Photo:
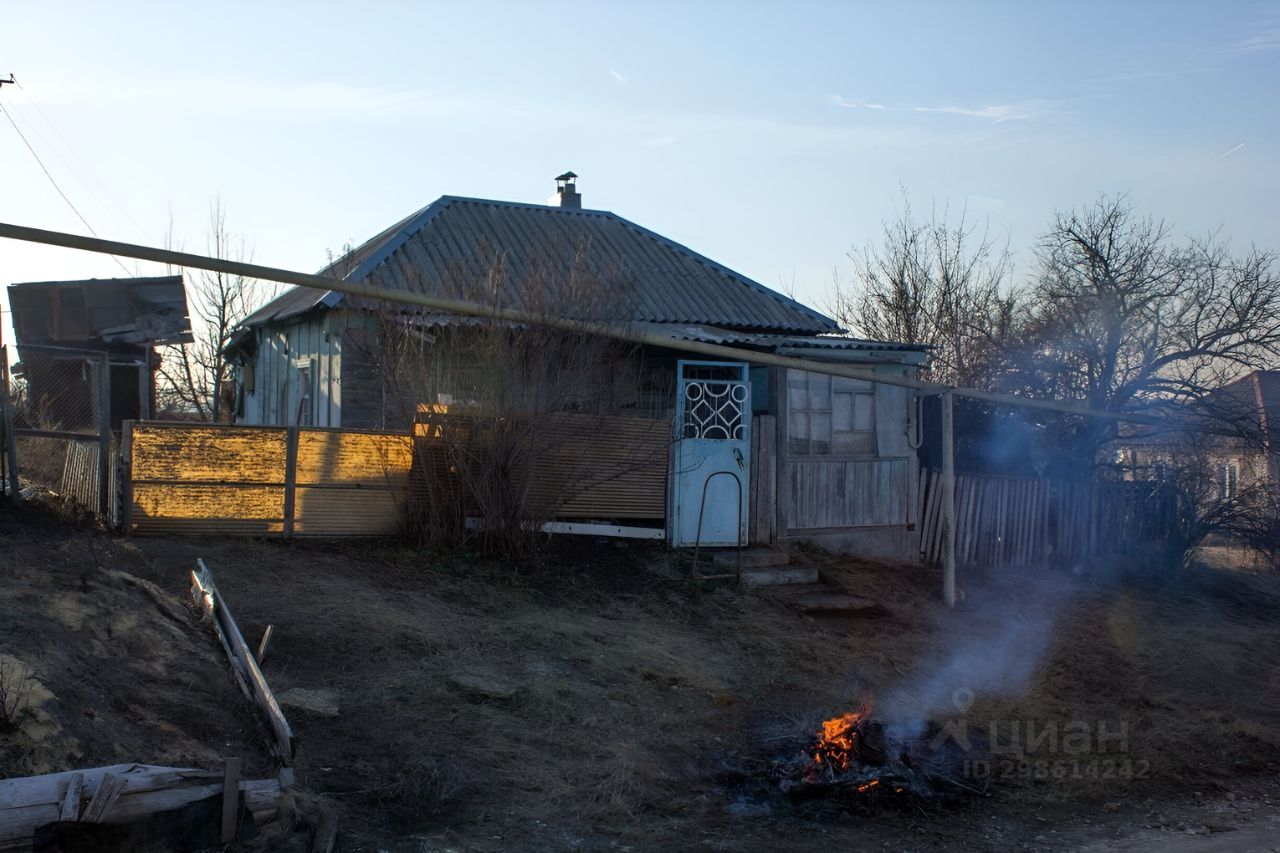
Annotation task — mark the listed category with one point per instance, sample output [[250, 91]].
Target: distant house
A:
[[841, 461], [1236, 428], [67, 329]]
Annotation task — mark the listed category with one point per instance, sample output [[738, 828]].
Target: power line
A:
[[89, 171], [47, 174]]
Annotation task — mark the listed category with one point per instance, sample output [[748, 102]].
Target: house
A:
[[835, 458], [1231, 439], [67, 330]]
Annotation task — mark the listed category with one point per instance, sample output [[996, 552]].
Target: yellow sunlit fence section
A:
[[203, 479]]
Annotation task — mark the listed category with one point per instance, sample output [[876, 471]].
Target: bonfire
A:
[[857, 755]]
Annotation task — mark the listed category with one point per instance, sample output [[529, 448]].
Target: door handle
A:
[[737, 454]]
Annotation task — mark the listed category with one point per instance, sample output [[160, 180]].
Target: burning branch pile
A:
[[855, 755]]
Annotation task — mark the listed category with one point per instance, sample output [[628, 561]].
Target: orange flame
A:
[[835, 742]]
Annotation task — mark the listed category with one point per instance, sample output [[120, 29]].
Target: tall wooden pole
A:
[[948, 501]]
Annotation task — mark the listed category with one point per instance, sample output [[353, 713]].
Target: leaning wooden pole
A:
[[620, 331], [948, 501]]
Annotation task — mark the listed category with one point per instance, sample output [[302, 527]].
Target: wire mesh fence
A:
[[57, 417]]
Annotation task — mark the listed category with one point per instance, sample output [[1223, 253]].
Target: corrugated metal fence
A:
[[266, 481], [194, 479]]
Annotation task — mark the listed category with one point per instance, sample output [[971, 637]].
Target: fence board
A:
[[762, 503]]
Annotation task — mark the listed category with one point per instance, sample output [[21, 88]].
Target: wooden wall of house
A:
[[296, 375], [861, 482]]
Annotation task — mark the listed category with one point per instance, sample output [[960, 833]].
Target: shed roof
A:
[[110, 311], [457, 242]]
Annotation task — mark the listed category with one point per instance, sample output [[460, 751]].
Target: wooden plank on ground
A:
[[230, 799], [243, 660], [71, 800], [34, 801], [109, 789]]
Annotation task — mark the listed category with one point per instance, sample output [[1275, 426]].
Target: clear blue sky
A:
[[771, 137]]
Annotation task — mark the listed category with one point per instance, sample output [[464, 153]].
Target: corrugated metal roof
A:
[[150, 310], [471, 248], [711, 335]]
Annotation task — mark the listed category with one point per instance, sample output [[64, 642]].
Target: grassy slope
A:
[[633, 692]]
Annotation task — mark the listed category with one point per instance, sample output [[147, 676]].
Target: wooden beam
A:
[[620, 331], [242, 660], [33, 801]]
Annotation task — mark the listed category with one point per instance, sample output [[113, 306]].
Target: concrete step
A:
[[779, 576], [752, 558]]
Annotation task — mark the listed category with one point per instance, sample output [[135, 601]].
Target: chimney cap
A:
[[567, 176]]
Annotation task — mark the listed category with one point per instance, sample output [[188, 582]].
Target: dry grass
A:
[[617, 698]]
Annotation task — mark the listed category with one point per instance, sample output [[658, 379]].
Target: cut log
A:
[[249, 675], [34, 801]]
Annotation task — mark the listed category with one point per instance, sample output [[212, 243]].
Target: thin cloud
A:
[[658, 141], [992, 112], [1228, 152], [1264, 36], [619, 76]]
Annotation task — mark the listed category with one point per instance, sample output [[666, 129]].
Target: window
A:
[[830, 415], [1228, 476]]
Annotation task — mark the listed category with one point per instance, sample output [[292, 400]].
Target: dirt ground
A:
[[591, 702]]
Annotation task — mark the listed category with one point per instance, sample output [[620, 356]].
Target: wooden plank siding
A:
[[822, 493], [827, 494], [281, 349]]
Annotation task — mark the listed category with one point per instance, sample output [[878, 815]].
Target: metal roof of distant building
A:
[[711, 335], [456, 242]]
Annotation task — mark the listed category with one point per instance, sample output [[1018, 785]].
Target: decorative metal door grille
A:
[[715, 410]]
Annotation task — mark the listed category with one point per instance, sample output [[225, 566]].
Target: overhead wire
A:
[[54, 183], [74, 153]]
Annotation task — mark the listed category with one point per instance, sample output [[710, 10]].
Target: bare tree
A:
[[1122, 317], [502, 410], [194, 377], [933, 282]]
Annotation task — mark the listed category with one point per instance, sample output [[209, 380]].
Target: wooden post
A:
[[104, 440], [290, 477], [144, 386], [126, 488], [6, 410], [948, 502], [230, 799]]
